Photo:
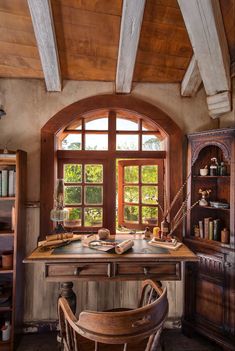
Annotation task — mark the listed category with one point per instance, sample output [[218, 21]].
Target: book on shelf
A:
[[217, 229], [211, 229], [201, 231], [206, 227], [7, 182]]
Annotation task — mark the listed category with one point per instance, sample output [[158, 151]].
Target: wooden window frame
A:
[[140, 204], [52, 132]]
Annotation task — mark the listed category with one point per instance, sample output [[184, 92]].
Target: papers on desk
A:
[[106, 245], [171, 245]]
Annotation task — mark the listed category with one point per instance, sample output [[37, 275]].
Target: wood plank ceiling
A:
[[87, 34]]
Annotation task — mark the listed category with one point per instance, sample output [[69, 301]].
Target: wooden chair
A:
[[120, 326]]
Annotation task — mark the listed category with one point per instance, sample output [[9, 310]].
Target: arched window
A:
[[115, 162]]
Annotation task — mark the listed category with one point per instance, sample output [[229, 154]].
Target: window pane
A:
[[131, 174], [72, 195], [150, 143], [131, 214], [125, 124], [149, 194], [97, 124], [72, 142], [150, 215], [149, 174], [131, 194], [94, 173], [127, 142], [75, 218], [93, 195], [72, 173], [148, 126], [96, 142], [93, 217], [75, 125]]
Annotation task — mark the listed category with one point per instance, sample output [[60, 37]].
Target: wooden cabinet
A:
[[12, 243], [210, 285]]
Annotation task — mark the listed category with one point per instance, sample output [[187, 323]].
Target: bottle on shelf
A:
[[6, 331], [222, 169], [214, 167]]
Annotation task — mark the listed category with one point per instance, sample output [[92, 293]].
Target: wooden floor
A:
[[172, 340]]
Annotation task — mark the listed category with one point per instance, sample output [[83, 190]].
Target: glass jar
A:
[[214, 167], [222, 169]]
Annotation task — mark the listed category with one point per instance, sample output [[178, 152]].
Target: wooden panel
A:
[[228, 12], [19, 55], [209, 301], [164, 47], [87, 41]]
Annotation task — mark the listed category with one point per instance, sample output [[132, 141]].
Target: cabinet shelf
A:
[[7, 198], [12, 215], [5, 309], [7, 233], [5, 271], [211, 177], [5, 345], [206, 242], [209, 285], [213, 208]]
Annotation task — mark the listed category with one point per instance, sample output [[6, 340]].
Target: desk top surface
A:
[[181, 254]]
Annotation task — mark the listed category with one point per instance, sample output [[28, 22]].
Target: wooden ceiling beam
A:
[[41, 14], [132, 16], [204, 23], [192, 79]]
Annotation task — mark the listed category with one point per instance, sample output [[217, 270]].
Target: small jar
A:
[[225, 236]]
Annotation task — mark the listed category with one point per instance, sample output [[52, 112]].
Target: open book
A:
[[171, 245]]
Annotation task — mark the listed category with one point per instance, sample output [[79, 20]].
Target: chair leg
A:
[[125, 347], [96, 346]]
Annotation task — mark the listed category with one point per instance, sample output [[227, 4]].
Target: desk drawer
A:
[[156, 270], [65, 271]]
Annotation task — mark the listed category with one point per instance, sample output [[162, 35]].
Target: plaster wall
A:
[[28, 108]]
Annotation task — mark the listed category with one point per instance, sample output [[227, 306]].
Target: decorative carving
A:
[[200, 146]]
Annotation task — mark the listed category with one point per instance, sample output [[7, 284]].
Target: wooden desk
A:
[[106, 266]]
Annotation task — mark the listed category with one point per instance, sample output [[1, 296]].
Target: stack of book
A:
[[210, 229], [7, 182]]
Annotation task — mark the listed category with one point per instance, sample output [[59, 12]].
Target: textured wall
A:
[[28, 108]]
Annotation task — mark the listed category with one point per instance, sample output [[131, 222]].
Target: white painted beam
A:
[[41, 14], [219, 104], [132, 16], [203, 20], [192, 79]]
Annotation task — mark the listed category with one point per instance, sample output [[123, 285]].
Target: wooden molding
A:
[[204, 24], [42, 19], [192, 79], [132, 16], [219, 104], [233, 69]]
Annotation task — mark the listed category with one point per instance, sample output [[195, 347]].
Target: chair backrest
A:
[[120, 327]]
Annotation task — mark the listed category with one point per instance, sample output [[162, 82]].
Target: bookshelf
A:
[[210, 284], [12, 233]]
